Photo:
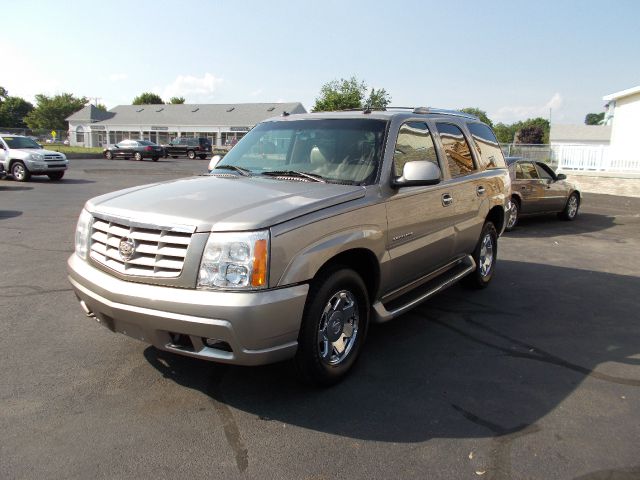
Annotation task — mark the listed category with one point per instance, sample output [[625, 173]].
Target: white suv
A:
[[22, 157]]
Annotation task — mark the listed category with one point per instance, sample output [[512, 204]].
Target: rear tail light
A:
[[148, 149]]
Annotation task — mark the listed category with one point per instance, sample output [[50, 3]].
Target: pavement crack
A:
[[16, 291], [534, 353], [229, 425]]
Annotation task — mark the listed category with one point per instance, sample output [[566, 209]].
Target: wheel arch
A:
[[362, 261], [497, 216]]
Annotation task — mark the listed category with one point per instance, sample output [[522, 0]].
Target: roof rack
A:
[[443, 111]]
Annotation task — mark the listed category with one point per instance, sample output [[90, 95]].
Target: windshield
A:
[[20, 142], [341, 151]]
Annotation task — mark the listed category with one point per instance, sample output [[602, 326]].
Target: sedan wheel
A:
[[514, 212], [570, 211], [138, 156]]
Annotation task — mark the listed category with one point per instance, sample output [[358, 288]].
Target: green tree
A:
[[101, 107], [147, 98], [345, 94], [177, 100], [13, 111], [530, 134], [594, 118], [504, 133], [481, 114], [51, 112]]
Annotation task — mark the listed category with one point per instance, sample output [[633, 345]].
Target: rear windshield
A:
[[338, 150]]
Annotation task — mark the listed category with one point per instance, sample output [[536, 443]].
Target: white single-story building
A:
[[223, 124], [579, 134], [623, 114]]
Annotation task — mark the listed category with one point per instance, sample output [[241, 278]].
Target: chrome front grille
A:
[[155, 252], [52, 157]]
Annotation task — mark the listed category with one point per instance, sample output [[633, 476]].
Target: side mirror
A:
[[561, 176], [213, 162], [417, 173]]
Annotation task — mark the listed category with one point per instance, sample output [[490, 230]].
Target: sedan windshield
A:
[[21, 142], [334, 150]]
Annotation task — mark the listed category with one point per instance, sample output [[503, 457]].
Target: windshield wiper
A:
[[242, 171], [294, 173]]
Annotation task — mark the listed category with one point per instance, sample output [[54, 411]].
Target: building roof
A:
[[89, 114], [580, 133], [238, 114], [621, 94]]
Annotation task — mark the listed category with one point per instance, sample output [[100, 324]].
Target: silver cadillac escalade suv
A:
[[310, 229]]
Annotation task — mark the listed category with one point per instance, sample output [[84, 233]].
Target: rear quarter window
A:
[[490, 152]]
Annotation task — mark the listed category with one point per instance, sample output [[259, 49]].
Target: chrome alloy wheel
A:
[[19, 172], [513, 215], [485, 259], [338, 328], [572, 206]]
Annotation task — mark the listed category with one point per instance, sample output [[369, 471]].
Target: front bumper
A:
[[44, 167], [251, 328]]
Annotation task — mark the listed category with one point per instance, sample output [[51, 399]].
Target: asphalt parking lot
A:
[[536, 377]]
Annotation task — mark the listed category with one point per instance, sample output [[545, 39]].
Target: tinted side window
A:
[[543, 172], [457, 150], [414, 143], [528, 170], [490, 151]]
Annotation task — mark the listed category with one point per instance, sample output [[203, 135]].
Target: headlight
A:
[[83, 230], [235, 261], [38, 157]]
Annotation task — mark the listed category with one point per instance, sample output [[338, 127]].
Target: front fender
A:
[[309, 260]]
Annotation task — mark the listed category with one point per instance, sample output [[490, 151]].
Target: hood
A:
[[23, 153], [232, 203]]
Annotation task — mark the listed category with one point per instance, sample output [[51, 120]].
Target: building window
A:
[[79, 134]]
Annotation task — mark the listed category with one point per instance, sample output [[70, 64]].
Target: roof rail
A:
[[443, 111]]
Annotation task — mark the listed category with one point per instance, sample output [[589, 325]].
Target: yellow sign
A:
[[53, 133]]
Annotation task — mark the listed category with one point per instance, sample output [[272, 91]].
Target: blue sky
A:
[[514, 59]]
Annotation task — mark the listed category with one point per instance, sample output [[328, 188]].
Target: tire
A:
[[570, 211], [514, 214], [191, 154], [56, 176], [108, 155], [137, 156], [485, 255], [202, 157], [20, 172], [155, 159], [325, 329]]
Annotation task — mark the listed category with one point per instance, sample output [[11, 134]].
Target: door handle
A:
[[480, 190], [446, 200]]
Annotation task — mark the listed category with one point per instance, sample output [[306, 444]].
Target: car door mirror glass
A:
[[561, 176], [213, 162]]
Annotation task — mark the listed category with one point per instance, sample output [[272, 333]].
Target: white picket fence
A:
[[590, 158]]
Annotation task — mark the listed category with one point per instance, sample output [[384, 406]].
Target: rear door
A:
[[531, 188], [466, 187]]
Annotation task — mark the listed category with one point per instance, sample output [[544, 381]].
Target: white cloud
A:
[[522, 112], [116, 77], [194, 89]]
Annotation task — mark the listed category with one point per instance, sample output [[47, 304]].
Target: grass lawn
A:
[[67, 149]]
